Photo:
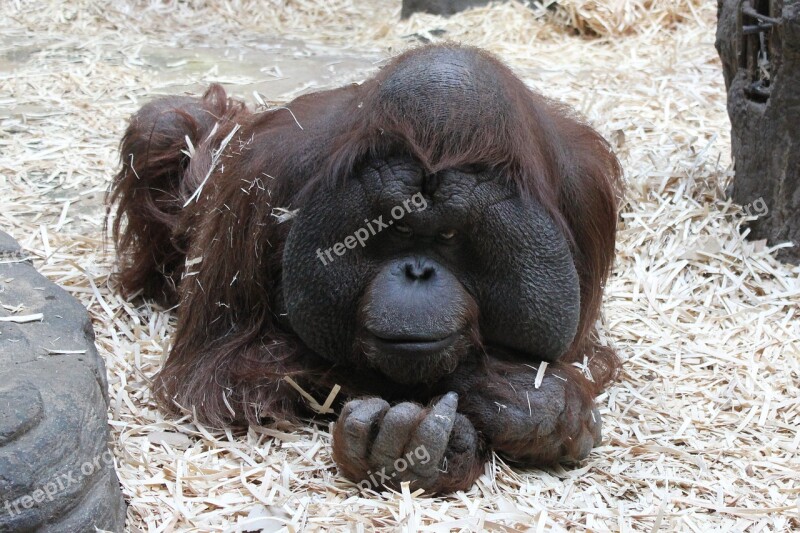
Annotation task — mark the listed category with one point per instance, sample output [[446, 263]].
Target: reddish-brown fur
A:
[[230, 354]]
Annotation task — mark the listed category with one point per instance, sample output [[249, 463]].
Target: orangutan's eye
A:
[[402, 228]]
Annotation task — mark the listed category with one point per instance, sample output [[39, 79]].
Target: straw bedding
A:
[[701, 433]]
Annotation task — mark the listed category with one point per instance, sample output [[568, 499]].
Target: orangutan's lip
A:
[[413, 346]]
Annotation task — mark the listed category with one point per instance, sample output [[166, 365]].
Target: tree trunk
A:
[[759, 44]]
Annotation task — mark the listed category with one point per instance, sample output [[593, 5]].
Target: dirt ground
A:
[[701, 431]]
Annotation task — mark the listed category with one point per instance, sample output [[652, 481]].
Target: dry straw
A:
[[701, 433]]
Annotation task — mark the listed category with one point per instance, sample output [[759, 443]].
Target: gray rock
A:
[[446, 8], [56, 471], [760, 51], [438, 7]]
